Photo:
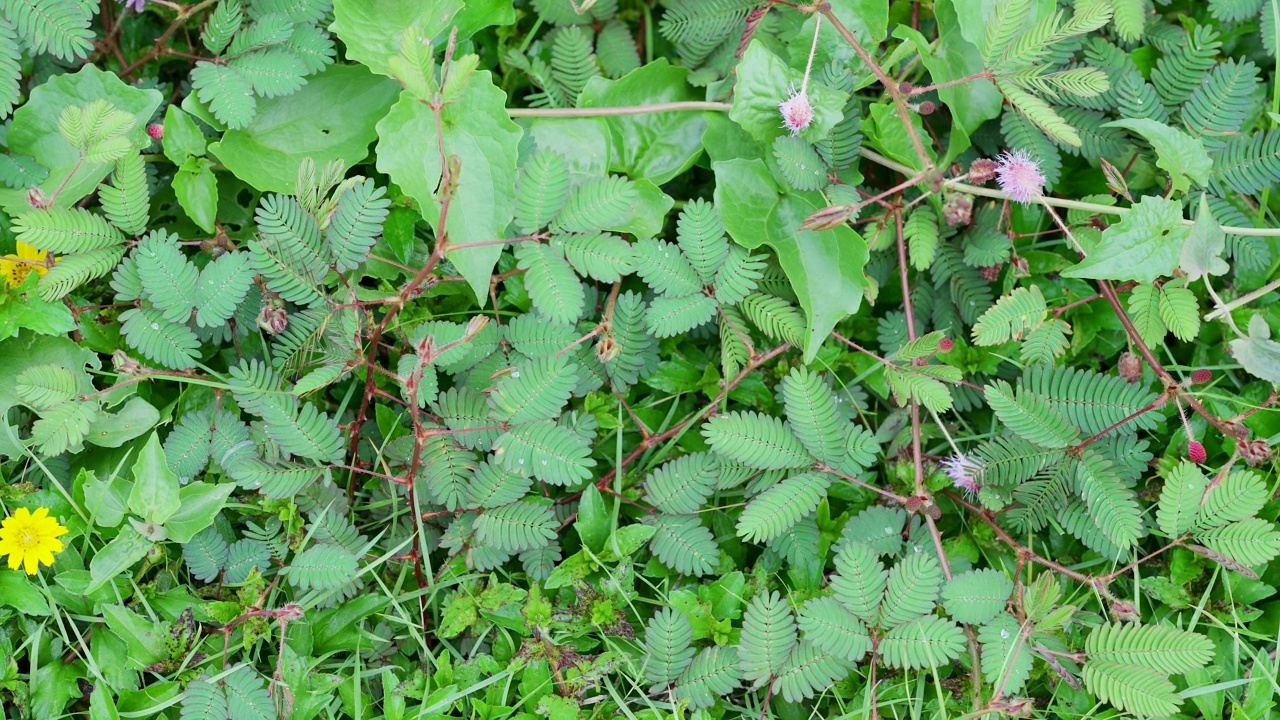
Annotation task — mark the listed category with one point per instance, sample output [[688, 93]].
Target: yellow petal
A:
[[21, 514], [46, 557], [29, 252], [40, 513], [57, 531], [15, 559], [31, 564], [54, 545]]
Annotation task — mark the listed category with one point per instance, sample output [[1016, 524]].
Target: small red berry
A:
[[927, 107], [945, 344], [1196, 452], [1200, 377], [156, 131]]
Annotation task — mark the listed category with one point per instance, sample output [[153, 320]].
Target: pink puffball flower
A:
[[1020, 176], [797, 112], [136, 5], [964, 471]]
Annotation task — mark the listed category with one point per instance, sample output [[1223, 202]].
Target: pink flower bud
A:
[[156, 131], [1196, 452], [945, 345], [1200, 377]]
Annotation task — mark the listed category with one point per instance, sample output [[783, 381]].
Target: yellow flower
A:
[[30, 539], [16, 270]]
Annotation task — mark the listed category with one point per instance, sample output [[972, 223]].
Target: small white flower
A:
[[1020, 176], [964, 471], [796, 111]]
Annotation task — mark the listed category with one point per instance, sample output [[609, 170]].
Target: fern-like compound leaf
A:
[[596, 205], [1249, 543], [665, 269], [1238, 496], [356, 224], [1030, 415], [701, 237], [925, 643], [247, 696], [42, 386], [912, 590], [830, 627], [1160, 647], [160, 340], [1137, 689], [223, 285], [668, 645], [755, 440], [682, 485], [66, 230], [535, 390], [271, 72], [58, 27], [599, 256], [671, 316], [205, 554], [808, 671], [1014, 315], [813, 414], [739, 276], [491, 486], [517, 527], [126, 201], [169, 279], [768, 637], [713, 674], [1006, 659], [552, 286], [774, 511], [975, 597], [682, 543], [227, 92], [321, 567], [860, 581], [549, 452]]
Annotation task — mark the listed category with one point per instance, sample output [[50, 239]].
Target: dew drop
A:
[[515, 374], [888, 531], [1004, 634], [544, 462], [155, 326], [521, 461]]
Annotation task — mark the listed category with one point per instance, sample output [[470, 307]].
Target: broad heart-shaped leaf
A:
[[1258, 353], [476, 130], [155, 495], [825, 268], [1177, 153], [1143, 246], [199, 504], [656, 146], [119, 555], [197, 189], [764, 82], [372, 31], [1202, 252], [287, 129], [34, 131], [24, 308], [971, 103]]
